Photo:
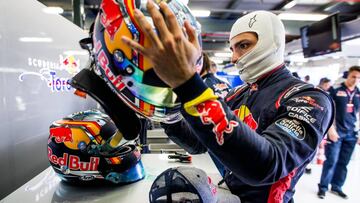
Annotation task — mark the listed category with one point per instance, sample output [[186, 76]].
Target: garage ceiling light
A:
[[302, 16], [223, 54], [76, 52], [201, 13], [53, 10], [290, 4], [353, 42], [185, 2], [35, 39], [217, 61]]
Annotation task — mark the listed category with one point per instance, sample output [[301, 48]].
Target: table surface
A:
[[47, 186]]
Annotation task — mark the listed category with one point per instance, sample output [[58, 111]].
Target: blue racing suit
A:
[[219, 87], [264, 134]]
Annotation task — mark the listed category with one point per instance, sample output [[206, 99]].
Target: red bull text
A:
[[73, 162], [104, 64]]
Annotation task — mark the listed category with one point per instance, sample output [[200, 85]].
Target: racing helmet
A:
[[128, 73], [87, 147]]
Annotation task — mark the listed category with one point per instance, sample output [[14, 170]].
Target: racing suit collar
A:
[[273, 76]]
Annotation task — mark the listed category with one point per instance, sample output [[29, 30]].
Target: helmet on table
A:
[[128, 73], [87, 147]]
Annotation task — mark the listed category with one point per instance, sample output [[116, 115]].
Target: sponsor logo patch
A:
[[341, 93], [287, 93], [307, 100], [87, 177], [301, 113], [292, 127]]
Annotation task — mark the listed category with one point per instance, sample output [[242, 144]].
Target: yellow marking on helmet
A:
[[115, 160], [78, 135], [115, 140], [92, 126], [117, 43]]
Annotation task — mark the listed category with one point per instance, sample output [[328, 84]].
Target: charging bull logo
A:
[[110, 17], [61, 134], [212, 112], [70, 64], [246, 116]]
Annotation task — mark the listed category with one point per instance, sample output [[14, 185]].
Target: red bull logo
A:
[[220, 87], [312, 102], [212, 112], [61, 134], [246, 116], [111, 17], [70, 64], [73, 162]]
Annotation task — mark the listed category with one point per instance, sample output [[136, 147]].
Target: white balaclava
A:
[[268, 53]]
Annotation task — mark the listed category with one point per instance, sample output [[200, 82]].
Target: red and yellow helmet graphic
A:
[[128, 73]]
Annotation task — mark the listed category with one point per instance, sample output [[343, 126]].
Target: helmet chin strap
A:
[[124, 118]]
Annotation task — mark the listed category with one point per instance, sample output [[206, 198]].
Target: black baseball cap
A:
[[188, 185]]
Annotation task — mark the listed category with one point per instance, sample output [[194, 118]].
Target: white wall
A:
[[33, 47]]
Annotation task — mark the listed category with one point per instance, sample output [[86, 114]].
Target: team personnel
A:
[[324, 84], [220, 88], [342, 136], [266, 131], [213, 67]]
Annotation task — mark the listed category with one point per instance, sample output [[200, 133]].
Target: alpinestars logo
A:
[[252, 21]]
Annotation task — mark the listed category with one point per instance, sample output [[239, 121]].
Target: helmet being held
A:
[[87, 147], [268, 53], [128, 73]]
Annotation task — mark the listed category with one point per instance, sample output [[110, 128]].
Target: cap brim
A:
[[225, 196]]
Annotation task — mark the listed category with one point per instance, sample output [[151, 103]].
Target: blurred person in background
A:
[[296, 75], [325, 84], [342, 136], [213, 67], [220, 87], [307, 78]]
